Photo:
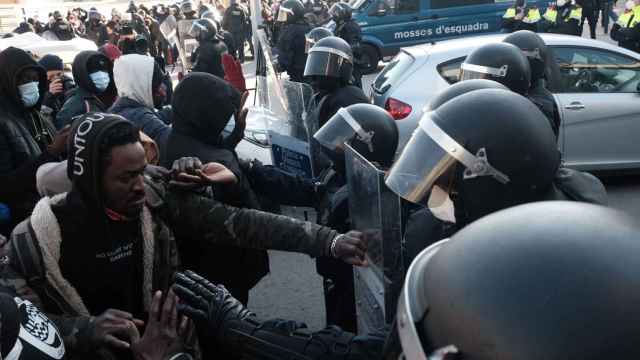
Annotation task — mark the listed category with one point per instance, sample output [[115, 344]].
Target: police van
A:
[[388, 25]]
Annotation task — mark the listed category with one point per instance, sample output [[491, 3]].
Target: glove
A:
[[208, 305]]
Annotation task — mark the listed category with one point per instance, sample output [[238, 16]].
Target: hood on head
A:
[[12, 62], [81, 72], [83, 163], [133, 75], [203, 105]]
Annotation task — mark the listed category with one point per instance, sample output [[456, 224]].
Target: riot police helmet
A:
[[534, 48], [501, 62], [459, 88], [94, 14], [187, 7], [330, 57], [315, 35], [340, 12], [367, 128], [547, 280], [491, 148], [203, 30], [57, 15], [27, 333], [291, 11]]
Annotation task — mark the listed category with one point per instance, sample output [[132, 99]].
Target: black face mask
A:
[[324, 84]]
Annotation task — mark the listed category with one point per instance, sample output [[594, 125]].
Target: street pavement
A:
[[293, 290]]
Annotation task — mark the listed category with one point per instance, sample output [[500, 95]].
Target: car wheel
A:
[[369, 59]]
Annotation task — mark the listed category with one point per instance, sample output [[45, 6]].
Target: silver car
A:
[[598, 95]]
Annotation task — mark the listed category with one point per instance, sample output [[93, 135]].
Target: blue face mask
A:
[[29, 93], [100, 80]]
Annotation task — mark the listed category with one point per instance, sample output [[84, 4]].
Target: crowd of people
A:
[[569, 17], [131, 228]]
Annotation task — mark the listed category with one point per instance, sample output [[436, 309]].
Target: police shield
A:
[[186, 42], [375, 210], [289, 134], [169, 29]]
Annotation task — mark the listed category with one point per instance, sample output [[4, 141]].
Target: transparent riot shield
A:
[[289, 138], [375, 210], [186, 43], [169, 29]]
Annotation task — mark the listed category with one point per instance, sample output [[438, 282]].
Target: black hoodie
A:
[[24, 135], [86, 98], [202, 106], [96, 250]]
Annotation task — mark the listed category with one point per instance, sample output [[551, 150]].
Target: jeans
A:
[[607, 12]]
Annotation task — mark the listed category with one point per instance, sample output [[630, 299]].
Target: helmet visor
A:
[[430, 154], [472, 71], [326, 61], [341, 128], [419, 167], [196, 30]]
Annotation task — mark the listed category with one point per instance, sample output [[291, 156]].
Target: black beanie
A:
[[83, 163], [51, 62]]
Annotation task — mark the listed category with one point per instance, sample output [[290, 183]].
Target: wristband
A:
[[333, 245]]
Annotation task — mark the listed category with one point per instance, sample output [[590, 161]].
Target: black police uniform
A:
[[351, 32], [291, 49], [63, 30], [234, 21]]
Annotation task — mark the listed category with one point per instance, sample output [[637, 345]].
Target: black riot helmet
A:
[[340, 12], [315, 35], [459, 88], [534, 48], [490, 148], [203, 30], [369, 129], [57, 15], [501, 62], [549, 280], [187, 7], [330, 57], [291, 11]]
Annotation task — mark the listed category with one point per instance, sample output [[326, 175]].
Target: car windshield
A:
[[392, 72], [357, 4]]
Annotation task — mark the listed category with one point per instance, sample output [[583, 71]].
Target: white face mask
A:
[[561, 3], [100, 80], [629, 5], [29, 93], [441, 205]]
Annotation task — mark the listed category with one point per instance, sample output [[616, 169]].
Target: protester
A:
[[93, 74], [132, 223], [27, 140], [96, 31], [138, 79], [60, 86], [201, 136]]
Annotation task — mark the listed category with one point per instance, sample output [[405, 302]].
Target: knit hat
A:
[[51, 62]]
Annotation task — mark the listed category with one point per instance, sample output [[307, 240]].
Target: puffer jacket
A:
[[24, 136]]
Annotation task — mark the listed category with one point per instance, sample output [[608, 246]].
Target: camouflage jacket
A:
[[31, 255]]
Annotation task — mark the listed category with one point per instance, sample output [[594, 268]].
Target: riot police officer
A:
[[563, 17], [505, 288], [188, 11], [521, 16], [349, 30], [501, 62], [233, 21], [96, 31], [536, 51], [208, 56], [291, 43]]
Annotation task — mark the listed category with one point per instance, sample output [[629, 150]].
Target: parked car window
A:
[[441, 4], [450, 70], [589, 70], [392, 72], [399, 6]]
